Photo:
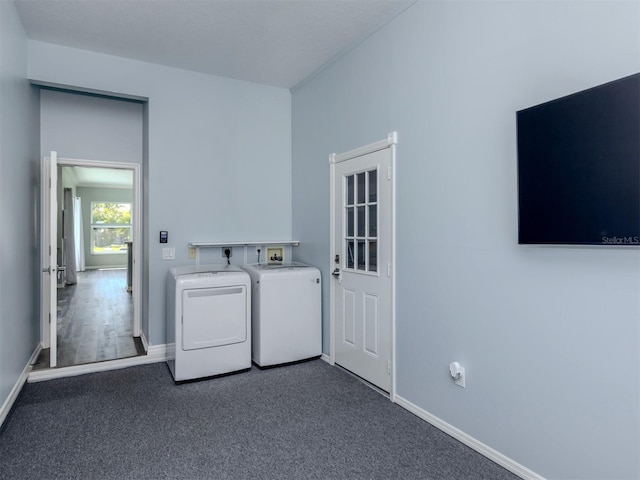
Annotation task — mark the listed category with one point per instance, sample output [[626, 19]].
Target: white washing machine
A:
[[208, 321], [286, 321]]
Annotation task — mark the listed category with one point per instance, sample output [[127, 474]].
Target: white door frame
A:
[[389, 142], [136, 287], [48, 253]]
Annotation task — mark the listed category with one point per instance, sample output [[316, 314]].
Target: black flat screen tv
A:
[[579, 168]]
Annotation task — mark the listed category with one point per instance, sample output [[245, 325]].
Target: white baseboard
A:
[[155, 354], [326, 358], [158, 352], [15, 391], [145, 342], [509, 464]]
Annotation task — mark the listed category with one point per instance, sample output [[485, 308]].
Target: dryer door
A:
[[212, 317]]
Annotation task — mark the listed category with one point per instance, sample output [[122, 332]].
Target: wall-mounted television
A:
[[579, 168]]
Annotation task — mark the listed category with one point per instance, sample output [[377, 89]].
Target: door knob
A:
[[336, 272]]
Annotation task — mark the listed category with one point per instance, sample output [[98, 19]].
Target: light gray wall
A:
[[19, 203], [218, 156], [93, 194], [550, 337], [90, 128]]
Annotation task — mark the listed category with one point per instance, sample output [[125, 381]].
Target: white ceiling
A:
[[272, 42], [100, 177]]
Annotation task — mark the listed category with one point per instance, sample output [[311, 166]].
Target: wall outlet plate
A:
[[274, 255], [192, 252]]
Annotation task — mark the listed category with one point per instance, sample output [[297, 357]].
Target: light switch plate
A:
[[168, 253]]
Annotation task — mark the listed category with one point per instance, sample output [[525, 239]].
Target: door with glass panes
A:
[[362, 283]]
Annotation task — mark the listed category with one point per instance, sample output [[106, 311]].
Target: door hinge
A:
[[388, 173], [388, 269], [49, 250], [388, 367], [49, 318]]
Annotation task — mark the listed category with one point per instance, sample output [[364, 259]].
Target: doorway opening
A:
[[98, 273]]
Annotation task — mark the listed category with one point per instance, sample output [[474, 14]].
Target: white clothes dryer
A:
[[208, 321], [286, 321]]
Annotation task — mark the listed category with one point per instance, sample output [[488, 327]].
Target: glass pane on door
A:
[[350, 190], [373, 186], [350, 255], [361, 188], [373, 220], [361, 255], [361, 221], [373, 256]]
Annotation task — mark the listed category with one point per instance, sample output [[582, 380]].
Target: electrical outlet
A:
[[192, 252], [224, 250], [457, 373]]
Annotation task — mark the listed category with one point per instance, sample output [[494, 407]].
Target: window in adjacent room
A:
[[110, 227]]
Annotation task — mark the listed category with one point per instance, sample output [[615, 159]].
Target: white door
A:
[[362, 262], [48, 254]]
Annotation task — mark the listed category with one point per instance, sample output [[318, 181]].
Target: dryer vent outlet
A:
[[227, 252]]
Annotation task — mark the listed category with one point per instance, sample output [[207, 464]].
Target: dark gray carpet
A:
[[303, 421]]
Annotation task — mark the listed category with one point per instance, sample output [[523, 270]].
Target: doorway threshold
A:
[[42, 362], [155, 356]]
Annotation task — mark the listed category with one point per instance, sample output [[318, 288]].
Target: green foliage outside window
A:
[[110, 213], [110, 227]]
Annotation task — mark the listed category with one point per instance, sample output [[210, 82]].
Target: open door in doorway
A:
[[98, 318], [48, 253]]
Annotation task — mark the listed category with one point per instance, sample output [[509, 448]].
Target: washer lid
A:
[[204, 269], [278, 266]]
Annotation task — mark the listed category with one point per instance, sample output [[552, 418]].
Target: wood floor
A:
[[95, 320]]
